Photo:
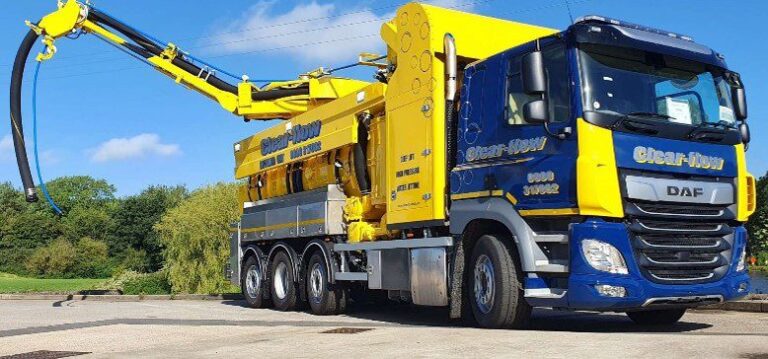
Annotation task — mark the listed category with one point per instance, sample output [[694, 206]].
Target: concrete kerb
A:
[[117, 297], [753, 303], [757, 303]]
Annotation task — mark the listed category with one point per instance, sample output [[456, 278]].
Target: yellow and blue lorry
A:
[[492, 167]]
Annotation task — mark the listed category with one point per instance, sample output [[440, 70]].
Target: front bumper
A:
[[641, 292]]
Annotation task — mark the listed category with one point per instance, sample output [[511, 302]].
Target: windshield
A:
[[661, 87]]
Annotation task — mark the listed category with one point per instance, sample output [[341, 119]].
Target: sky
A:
[[103, 114]]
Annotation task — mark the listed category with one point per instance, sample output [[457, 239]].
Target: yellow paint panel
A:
[[597, 175], [338, 129], [549, 212], [746, 195], [478, 194], [62, 21], [415, 99]]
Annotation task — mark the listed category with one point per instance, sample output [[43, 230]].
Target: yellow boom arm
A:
[[277, 100]]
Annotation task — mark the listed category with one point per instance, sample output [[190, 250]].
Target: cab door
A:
[[502, 152]]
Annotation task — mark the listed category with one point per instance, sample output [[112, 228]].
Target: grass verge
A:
[[10, 283]]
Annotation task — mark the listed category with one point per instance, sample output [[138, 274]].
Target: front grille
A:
[[678, 210], [680, 247], [677, 226], [684, 241]]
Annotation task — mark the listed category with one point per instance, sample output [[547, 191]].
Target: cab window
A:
[[556, 67]]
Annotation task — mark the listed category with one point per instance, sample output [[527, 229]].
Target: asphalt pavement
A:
[[191, 329]]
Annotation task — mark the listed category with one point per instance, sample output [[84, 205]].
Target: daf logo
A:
[[685, 191]]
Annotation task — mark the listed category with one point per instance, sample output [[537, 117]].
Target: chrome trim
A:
[[400, 243], [719, 227], [708, 276], [720, 213], [717, 244], [351, 276], [713, 261], [547, 293], [693, 299]]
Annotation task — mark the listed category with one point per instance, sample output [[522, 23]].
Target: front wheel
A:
[[495, 286], [656, 317]]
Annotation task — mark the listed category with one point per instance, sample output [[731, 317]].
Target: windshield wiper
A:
[[650, 115], [719, 124]]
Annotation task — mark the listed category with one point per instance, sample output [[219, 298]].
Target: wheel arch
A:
[[331, 266], [253, 250], [292, 255], [478, 216]]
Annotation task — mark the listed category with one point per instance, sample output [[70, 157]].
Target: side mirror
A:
[[738, 95], [739, 103], [744, 131], [534, 76], [535, 83], [536, 111]]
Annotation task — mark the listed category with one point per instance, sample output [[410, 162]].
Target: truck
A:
[[491, 167]]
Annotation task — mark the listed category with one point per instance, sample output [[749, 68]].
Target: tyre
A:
[[323, 297], [252, 284], [495, 286], [283, 289], [657, 317]]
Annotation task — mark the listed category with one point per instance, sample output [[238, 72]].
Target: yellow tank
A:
[[384, 144]]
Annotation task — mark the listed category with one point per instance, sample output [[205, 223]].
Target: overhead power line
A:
[[283, 34], [314, 43]]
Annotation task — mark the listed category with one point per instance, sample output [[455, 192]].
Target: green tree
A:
[[758, 222], [93, 222], [21, 232], [81, 191], [195, 235], [134, 220], [91, 260], [54, 260]]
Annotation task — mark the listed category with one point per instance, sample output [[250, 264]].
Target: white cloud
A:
[[135, 147], [6, 147], [338, 34], [6, 143], [261, 29]]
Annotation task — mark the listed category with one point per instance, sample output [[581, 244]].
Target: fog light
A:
[[611, 290], [603, 256], [743, 287], [742, 265]]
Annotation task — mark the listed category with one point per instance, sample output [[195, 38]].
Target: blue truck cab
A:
[[615, 155]]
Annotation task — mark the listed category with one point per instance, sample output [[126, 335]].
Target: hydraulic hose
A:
[[17, 128], [152, 48]]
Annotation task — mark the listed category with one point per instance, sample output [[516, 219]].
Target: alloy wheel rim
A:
[[253, 281], [316, 283], [484, 287], [281, 281]]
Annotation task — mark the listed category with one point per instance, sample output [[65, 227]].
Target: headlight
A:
[[603, 256], [742, 265]]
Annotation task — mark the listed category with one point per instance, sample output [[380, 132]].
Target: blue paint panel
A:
[[583, 278], [483, 124], [626, 143]]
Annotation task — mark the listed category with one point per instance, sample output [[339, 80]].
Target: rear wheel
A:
[[657, 317], [283, 288], [495, 286], [323, 297], [251, 283]]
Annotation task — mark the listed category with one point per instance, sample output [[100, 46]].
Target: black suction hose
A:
[[151, 48], [17, 130]]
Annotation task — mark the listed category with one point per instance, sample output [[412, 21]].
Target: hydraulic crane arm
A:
[[277, 100], [241, 99]]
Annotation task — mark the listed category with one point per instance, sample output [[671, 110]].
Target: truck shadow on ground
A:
[[543, 319]]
